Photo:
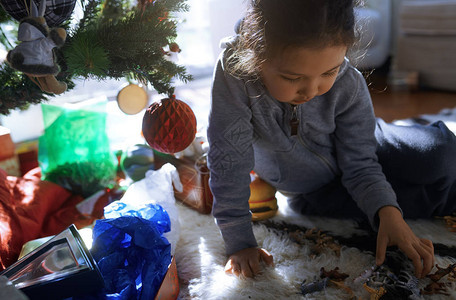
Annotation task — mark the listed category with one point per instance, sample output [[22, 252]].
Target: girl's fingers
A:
[[255, 266], [426, 252], [431, 246], [232, 267], [245, 269], [266, 257], [428, 245], [422, 256], [229, 266], [414, 256], [382, 243], [247, 262]]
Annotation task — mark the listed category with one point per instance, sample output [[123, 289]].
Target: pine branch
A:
[[129, 49], [4, 16], [111, 40], [85, 57], [4, 39], [91, 10], [18, 91], [114, 9], [174, 5]]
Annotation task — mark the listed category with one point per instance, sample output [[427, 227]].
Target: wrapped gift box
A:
[[8, 158], [169, 288], [194, 176], [27, 153]]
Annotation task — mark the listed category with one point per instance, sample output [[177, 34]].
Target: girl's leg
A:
[[332, 200], [420, 163]]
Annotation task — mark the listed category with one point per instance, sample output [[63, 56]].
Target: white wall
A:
[[223, 15], [193, 37]]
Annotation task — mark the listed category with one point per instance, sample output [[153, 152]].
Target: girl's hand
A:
[[394, 231], [247, 262]]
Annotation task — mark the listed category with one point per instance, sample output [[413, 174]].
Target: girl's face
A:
[[299, 74]]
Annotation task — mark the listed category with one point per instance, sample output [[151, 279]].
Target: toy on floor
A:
[[333, 274], [437, 287], [322, 241], [337, 279], [384, 281], [375, 293], [392, 280], [442, 272], [328, 278], [262, 201], [315, 286], [450, 222]]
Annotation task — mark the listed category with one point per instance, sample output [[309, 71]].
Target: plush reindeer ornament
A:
[[34, 56]]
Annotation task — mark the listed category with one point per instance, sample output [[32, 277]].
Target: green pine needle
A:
[[114, 39], [85, 57]]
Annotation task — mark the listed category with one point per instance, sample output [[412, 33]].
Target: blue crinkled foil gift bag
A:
[[132, 253]]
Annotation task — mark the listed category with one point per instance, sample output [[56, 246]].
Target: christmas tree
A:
[[113, 39]]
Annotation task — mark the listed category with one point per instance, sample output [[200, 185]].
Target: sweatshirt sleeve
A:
[[356, 152], [230, 160]]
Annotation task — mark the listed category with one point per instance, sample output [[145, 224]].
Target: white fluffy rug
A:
[[200, 259], [200, 253]]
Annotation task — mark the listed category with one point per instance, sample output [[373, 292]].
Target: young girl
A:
[[287, 104]]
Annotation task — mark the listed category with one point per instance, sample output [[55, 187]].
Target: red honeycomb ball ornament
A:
[[169, 126]]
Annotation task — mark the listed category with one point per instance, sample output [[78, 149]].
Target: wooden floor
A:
[[392, 105]]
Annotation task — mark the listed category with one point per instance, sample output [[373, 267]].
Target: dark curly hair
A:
[[270, 26]]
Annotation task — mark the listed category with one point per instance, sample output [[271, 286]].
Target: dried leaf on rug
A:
[[392, 280]]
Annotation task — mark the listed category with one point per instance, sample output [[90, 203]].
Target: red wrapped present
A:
[[8, 158]]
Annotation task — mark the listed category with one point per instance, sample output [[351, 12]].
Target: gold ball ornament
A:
[[132, 99]]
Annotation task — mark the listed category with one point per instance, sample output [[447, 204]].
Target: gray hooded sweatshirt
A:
[[250, 130]]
